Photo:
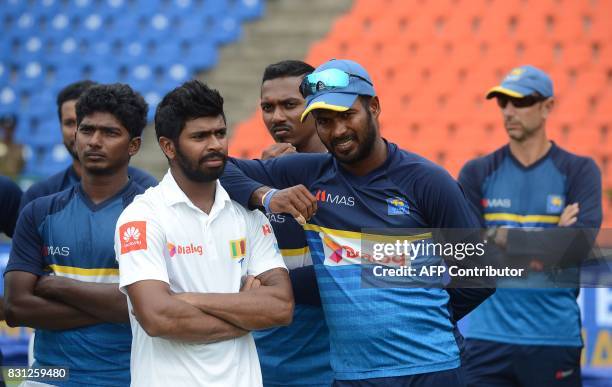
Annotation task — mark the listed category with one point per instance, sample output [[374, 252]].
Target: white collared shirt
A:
[[163, 236]]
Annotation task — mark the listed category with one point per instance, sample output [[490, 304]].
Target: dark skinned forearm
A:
[[103, 301], [23, 308], [267, 306]]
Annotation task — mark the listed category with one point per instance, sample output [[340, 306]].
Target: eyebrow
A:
[[101, 127]]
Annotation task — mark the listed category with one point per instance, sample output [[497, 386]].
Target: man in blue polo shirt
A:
[[379, 335], [62, 276], [528, 337], [298, 354], [66, 102]]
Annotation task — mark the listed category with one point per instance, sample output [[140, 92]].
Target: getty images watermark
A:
[[514, 258], [428, 248]]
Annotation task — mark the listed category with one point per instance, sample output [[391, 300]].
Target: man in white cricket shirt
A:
[[200, 271]]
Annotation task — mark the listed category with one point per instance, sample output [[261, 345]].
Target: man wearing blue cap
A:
[[528, 337], [379, 335]]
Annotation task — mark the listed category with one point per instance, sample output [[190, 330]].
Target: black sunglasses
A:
[[529, 100]]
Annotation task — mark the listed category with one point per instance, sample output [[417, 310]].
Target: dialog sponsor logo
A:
[[184, 249]]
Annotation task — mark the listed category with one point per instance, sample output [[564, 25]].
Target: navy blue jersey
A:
[[10, 195], [380, 331], [67, 178], [506, 193], [66, 234], [297, 354]]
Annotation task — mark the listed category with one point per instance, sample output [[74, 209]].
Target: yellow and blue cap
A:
[[523, 81], [340, 99]]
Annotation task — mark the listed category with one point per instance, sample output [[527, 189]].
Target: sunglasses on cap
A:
[[529, 100], [329, 79]]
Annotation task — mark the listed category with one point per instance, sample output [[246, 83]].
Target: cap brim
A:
[[338, 102], [505, 91]]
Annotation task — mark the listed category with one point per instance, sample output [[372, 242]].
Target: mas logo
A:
[[133, 236], [496, 203], [324, 196], [555, 204], [238, 248], [397, 206], [64, 251]]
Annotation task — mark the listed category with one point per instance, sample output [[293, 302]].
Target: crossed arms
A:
[[264, 301], [55, 303]]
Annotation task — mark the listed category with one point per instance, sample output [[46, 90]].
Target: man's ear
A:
[[167, 146], [375, 106], [547, 106], [134, 146]]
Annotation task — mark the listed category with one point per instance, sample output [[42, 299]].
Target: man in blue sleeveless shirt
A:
[[379, 336], [528, 337], [66, 102], [62, 276], [298, 354]]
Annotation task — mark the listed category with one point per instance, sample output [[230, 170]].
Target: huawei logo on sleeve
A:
[[133, 236]]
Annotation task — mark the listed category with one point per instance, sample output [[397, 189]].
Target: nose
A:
[[95, 140], [339, 129], [278, 116], [509, 110], [215, 144]]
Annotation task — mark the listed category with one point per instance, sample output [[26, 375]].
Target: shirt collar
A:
[[173, 194]]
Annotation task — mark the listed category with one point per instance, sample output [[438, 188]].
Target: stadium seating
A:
[[432, 62], [153, 45]]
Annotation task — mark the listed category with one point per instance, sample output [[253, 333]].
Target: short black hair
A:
[[287, 68], [72, 92], [365, 100], [193, 99], [118, 99]]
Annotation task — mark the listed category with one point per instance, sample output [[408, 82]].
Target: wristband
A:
[[265, 200]]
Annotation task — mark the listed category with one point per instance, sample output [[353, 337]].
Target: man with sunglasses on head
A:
[[379, 335], [528, 337], [298, 354]]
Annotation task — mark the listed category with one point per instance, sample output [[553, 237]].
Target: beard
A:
[[71, 151], [364, 148], [195, 172]]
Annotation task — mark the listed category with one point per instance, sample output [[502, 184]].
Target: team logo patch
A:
[[397, 206], [133, 236], [554, 204], [238, 248], [266, 229]]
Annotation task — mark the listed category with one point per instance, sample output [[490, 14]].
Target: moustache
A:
[[340, 140], [213, 156], [276, 128]]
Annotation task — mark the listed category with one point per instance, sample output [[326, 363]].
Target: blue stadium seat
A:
[[156, 26], [124, 27], [59, 26], [31, 75], [202, 55], [91, 27], [9, 99], [191, 28], [65, 75], [25, 24], [225, 29]]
